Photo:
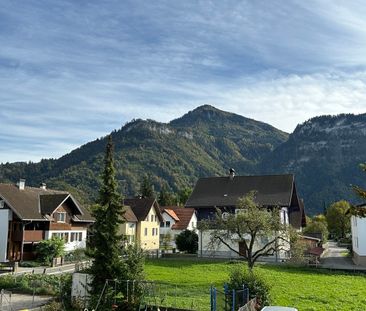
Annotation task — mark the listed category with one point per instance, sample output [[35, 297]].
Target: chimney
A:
[[43, 186], [231, 174], [21, 184]]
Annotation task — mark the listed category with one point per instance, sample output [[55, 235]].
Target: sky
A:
[[73, 71]]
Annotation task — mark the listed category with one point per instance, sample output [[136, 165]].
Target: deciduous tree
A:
[[355, 210], [247, 229], [338, 219]]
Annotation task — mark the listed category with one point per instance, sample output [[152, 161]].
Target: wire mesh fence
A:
[[150, 295], [5, 300]]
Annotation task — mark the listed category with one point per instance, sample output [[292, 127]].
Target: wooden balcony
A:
[[33, 235]]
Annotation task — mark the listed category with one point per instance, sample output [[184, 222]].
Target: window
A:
[[153, 231], [145, 232], [80, 236], [152, 218], [162, 224], [61, 235], [60, 217], [156, 218], [72, 237], [167, 224], [132, 226]]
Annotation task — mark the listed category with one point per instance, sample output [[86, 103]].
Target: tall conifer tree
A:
[[108, 213]]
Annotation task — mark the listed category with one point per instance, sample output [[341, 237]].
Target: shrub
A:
[[47, 250], [76, 255], [53, 306], [257, 284], [187, 241]]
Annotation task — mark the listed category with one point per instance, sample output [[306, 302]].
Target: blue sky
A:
[[72, 71]]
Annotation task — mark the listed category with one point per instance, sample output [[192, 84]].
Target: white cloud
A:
[[71, 72]]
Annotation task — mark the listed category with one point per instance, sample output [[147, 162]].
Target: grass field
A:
[[305, 289]]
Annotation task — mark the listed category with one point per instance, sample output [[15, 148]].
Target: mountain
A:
[[324, 153], [203, 142]]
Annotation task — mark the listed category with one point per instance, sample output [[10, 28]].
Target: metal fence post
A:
[[233, 302]]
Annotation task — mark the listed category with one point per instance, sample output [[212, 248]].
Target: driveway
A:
[[335, 258]]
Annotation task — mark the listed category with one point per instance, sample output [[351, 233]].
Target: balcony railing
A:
[[33, 235]]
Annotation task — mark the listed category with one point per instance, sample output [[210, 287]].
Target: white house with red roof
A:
[[175, 220]]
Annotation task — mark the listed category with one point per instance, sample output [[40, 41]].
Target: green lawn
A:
[[305, 289]]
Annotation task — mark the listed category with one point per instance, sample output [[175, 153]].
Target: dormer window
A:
[[60, 216]]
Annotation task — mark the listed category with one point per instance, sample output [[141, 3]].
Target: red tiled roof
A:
[[184, 215], [171, 213]]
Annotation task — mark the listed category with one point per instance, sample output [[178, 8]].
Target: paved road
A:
[[69, 268], [17, 302], [334, 258]]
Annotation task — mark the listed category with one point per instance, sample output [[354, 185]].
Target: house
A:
[[223, 193], [175, 220], [29, 215], [128, 229], [358, 228], [148, 216]]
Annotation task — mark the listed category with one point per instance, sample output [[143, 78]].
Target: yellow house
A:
[[128, 229], [148, 216]]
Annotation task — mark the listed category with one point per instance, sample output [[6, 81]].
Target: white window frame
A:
[[58, 218]]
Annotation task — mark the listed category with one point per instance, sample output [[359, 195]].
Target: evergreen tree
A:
[[184, 194], [147, 188], [108, 213], [166, 198]]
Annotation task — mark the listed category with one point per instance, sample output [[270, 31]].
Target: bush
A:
[[39, 284], [76, 255], [187, 241], [53, 306], [258, 286], [29, 264], [47, 250]]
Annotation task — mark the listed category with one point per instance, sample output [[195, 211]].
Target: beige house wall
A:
[[148, 231], [129, 230]]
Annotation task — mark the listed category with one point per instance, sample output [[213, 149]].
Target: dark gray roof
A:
[[49, 202], [223, 191], [141, 207], [35, 203], [129, 215]]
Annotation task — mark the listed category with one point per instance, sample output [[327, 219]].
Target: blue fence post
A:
[[213, 298], [234, 302]]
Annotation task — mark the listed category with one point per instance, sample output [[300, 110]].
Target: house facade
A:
[[29, 215], [175, 220], [147, 213], [272, 191], [128, 228], [358, 228]]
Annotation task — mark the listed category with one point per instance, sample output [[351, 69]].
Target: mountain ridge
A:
[[206, 142]]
